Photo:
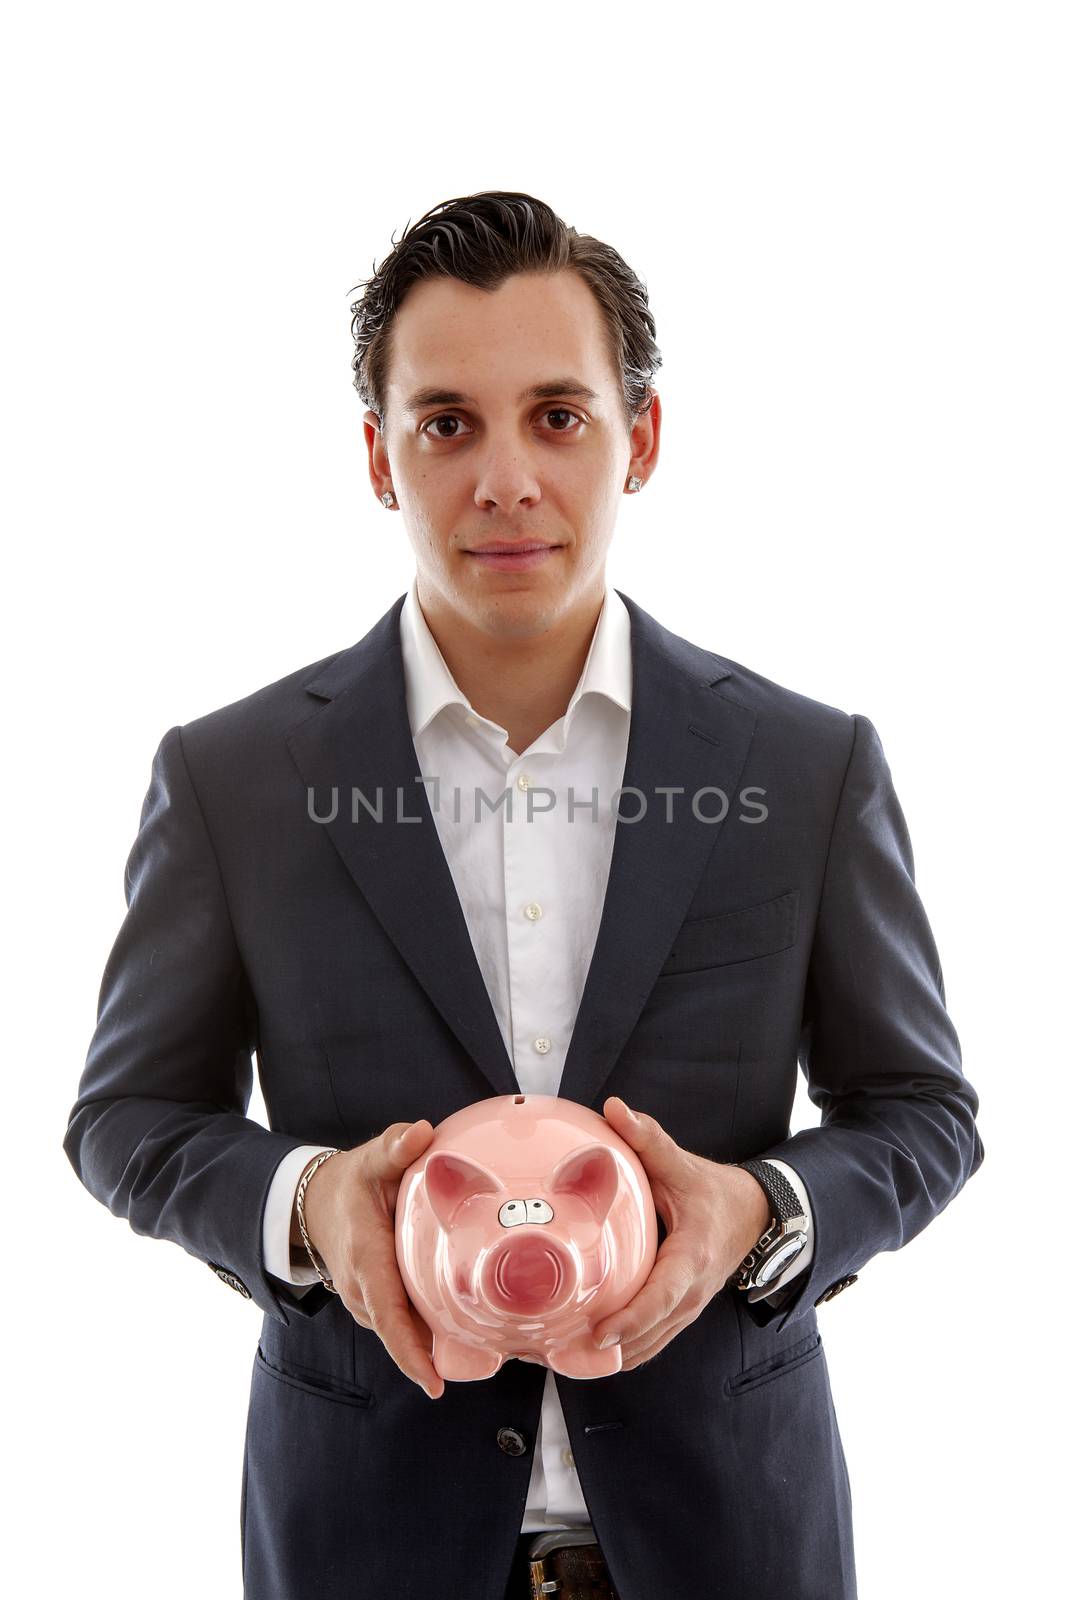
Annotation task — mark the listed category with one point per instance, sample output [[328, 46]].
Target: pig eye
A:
[[539, 1211], [512, 1212]]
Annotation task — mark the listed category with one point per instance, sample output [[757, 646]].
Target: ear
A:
[[451, 1179], [591, 1174]]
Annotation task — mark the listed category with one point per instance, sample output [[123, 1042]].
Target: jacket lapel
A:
[[682, 734], [361, 740]]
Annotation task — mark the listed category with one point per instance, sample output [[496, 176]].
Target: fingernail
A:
[[609, 1339]]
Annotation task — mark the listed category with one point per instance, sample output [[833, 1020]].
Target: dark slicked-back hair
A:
[[481, 239]]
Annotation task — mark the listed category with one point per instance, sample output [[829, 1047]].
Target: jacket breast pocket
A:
[[742, 935]]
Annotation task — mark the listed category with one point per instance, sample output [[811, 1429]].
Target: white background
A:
[[850, 221]]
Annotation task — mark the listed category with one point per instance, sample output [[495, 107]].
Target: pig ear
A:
[[591, 1174], [451, 1179]]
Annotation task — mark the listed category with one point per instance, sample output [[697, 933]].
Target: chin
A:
[[521, 612]]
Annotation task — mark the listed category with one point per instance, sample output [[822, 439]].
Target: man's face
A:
[[499, 466]]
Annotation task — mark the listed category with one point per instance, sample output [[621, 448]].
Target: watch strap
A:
[[785, 1207], [784, 1200]]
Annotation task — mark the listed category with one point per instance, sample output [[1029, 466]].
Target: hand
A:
[[350, 1212], [714, 1214]]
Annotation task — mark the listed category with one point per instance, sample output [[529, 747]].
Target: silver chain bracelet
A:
[[324, 1155]]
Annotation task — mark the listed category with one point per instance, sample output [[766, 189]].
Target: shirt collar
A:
[[430, 685]]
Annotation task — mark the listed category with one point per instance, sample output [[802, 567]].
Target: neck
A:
[[522, 683]]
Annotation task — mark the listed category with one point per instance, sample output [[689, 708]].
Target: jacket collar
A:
[[431, 686]]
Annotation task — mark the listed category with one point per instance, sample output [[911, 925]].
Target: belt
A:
[[568, 1564]]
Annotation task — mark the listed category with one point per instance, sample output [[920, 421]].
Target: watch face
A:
[[780, 1259]]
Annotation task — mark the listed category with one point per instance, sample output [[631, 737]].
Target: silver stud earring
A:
[[633, 484], [387, 501]]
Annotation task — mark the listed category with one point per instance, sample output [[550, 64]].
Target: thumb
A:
[[642, 1132], [403, 1143]]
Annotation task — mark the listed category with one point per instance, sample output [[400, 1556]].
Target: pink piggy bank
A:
[[526, 1221]]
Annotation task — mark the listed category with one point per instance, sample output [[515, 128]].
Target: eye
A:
[[449, 417], [556, 411], [513, 1212], [563, 411]]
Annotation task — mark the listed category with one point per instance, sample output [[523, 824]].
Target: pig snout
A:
[[528, 1272]]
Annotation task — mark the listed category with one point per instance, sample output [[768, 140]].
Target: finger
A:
[[654, 1341], [391, 1312], [422, 1331], [650, 1353], [388, 1308], [659, 1297], [631, 1363]]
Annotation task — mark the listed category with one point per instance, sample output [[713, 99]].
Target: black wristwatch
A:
[[786, 1236]]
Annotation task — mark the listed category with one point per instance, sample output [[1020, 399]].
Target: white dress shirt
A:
[[531, 885]]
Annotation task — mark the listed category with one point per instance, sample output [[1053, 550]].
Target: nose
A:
[[507, 480], [528, 1273]]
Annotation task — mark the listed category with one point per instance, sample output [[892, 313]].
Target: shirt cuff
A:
[[796, 1266], [278, 1216]]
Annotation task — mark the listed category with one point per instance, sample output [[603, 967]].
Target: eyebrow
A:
[[552, 389]]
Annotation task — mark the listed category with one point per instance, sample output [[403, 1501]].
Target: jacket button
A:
[[511, 1441], [835, 1288], [231, 1278]]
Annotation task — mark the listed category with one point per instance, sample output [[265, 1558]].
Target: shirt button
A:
[[522, 782], [568, 1458], [533, 911], [542, 1045]]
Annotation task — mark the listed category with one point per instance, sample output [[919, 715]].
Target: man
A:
[[698, 879]]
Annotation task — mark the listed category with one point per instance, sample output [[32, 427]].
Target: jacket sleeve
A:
[[897, 1139], [158, 1132]]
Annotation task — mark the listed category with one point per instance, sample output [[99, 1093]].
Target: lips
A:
[[510, 549], [513, 557]]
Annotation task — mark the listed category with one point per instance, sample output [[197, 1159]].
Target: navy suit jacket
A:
[[337, 954]]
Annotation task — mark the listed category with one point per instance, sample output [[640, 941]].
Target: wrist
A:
[[752, 1211], [786, 1231], [296, 1241], [315, 1256]]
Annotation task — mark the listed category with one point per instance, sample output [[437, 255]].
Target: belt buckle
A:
[[544, 1546]]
